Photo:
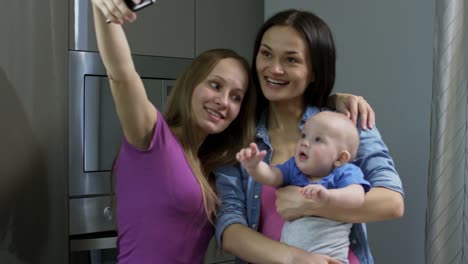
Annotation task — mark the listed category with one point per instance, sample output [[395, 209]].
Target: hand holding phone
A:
[[135, 7]]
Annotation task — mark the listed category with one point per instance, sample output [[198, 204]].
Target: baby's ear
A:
[[343, 158]]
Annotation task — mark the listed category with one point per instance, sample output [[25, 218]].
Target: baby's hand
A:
[[250, 157], [316, 192]]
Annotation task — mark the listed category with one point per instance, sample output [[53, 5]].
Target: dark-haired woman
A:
[[294, 72]]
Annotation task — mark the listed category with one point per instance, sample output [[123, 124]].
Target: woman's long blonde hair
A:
[[217, 149]]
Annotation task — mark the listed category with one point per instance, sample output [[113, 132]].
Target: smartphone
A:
[[135, 7]]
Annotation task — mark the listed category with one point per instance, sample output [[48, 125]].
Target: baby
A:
[[329, 141]]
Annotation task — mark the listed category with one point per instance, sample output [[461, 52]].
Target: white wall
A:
[[385, 54]]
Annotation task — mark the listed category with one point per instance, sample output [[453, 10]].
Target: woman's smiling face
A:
[[283, 64], [216, 101]]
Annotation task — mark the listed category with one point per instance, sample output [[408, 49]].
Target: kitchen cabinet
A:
[[178, 28], [164, 29]]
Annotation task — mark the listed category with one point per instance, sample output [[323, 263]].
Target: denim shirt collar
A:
[[262, 131]]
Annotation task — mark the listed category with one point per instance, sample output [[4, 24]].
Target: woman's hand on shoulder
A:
[[115, 11], [299, 256], [353, 106]]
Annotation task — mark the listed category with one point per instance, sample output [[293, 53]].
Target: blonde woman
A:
[[165, 198]]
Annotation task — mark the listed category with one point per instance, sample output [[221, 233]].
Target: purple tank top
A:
[[160, 213]]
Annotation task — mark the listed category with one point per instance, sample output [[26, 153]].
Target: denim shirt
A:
[[240, 195]]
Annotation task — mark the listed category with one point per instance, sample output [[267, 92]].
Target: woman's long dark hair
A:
[[321, 47]]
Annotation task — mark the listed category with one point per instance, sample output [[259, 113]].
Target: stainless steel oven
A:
[[94, 138]]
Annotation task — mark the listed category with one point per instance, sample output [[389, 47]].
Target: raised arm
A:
[[252, 160], [136, 113]]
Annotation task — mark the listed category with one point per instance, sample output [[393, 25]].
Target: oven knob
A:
[[108, 215]]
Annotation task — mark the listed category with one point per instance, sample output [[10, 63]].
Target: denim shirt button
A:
[[354, 242], [256, 196], [254, 225]]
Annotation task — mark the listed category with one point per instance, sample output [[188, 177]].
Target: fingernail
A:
[[131, 17], [108, 21]]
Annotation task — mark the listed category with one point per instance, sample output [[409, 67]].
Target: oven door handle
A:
[[92, 244]]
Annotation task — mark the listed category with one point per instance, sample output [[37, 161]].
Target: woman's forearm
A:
[[252, 246], [136, 113], [113, 48], [379, 204], [351, 196]]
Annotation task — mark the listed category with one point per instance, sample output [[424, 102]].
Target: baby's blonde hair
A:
[[348, 132]]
